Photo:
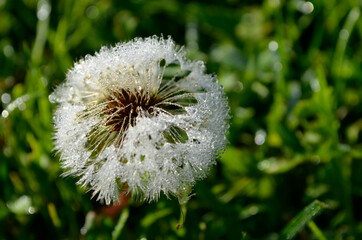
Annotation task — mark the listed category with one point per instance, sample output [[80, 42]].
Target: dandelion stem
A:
[[183, 211]]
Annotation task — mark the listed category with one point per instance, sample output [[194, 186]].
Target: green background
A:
[[292, 71]]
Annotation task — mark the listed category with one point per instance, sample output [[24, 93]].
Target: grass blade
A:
[[305, 216], [120, 224]]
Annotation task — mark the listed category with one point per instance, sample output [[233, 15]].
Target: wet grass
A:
[[292, 71]]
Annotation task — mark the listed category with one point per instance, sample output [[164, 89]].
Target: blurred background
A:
[[292, 71]]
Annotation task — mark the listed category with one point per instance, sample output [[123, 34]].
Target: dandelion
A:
[[139, 117]]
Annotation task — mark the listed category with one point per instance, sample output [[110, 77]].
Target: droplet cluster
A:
[[139, 117]]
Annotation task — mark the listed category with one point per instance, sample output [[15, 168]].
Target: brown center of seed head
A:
[[124, 106], [120, 110]]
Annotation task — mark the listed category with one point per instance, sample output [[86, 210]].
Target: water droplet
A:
[[53, 98], [354, 14], [83, 230], [314, 84], [8, 51], [273, 46], [43, 10], [31, 210], [5, 114], [264, 165], [344, 34], [26, 97], [22, 106], [6, 98], [260, 137], [87, 58], [306, 7], [92, 12]]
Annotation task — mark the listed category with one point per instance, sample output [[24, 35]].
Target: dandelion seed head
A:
[[139, 116]]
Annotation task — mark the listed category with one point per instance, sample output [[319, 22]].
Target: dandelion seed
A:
[[139, 116]]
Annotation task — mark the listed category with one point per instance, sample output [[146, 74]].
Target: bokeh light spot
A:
[[43, 10], [92, 12], [344, 34], [306, 7], [5, 113], [5, 98], [314, 84], [273, 46], [260, 137], [8, 51]]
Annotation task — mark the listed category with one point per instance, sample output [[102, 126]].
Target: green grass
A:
[[294, 83]]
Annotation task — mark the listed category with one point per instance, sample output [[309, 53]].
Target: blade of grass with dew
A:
[[299, 222], [344, 35]]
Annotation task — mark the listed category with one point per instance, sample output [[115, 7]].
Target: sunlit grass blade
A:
[[151, 218], [120, 224], [298, 223], [317, 232]]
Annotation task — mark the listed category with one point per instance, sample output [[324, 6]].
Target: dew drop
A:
[[260, 137], [53, 98], [8, 51], [273, 46], [306, 7], [314, 84], [21, 106], [5, 114], [44, 9], [6, 98], [92, 12], [264, 165], [31, 210], [26, 97]]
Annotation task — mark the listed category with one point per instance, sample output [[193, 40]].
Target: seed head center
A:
[[124, 106]]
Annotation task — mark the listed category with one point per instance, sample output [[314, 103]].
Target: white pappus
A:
[[139, 117]]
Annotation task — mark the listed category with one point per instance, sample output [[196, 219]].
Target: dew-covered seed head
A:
[[139, 115]]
